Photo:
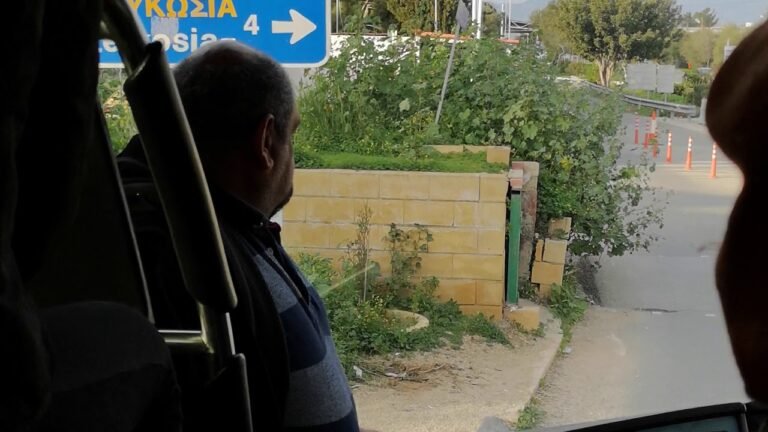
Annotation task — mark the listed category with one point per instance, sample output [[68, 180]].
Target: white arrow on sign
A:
[[299, 26]]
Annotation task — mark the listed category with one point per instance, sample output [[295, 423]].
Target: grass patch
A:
[[433, 162], [530, 416], [671, 98]]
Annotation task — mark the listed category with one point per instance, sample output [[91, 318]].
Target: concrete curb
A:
[[553, 337]]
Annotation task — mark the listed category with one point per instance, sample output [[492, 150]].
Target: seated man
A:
[[242, 112]]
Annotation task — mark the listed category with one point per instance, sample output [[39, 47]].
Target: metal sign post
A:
[[296, 33], [462, 20]]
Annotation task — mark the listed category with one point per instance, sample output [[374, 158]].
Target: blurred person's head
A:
[[242, 112], [737, 110]]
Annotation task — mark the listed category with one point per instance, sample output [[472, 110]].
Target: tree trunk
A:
[[605, 69]]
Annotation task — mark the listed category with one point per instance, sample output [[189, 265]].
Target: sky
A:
[[729, 11]]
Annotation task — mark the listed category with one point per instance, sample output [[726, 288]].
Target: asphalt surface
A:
[[658, 343]]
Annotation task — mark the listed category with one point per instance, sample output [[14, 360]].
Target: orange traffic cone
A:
[[689, 156], [713, 168], [669, 146], [637, 129], [647, 133], [655, 143]]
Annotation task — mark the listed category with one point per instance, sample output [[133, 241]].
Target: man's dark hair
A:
[[226, 88]]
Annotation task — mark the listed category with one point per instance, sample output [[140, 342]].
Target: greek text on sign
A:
[[296, 33]]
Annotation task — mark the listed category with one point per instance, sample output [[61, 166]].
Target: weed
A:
[[357, 263], [530, 416], [528, 291], [540, 331], [567, 305]]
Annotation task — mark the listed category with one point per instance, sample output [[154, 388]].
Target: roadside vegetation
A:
[[530, 416], [381, 102], [359, 299]]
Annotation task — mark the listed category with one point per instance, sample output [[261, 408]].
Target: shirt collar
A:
[[236, 210]]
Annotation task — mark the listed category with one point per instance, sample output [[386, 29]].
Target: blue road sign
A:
[[296, 33]]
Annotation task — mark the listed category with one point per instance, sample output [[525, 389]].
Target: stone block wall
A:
[[549, 257], [466, 213]]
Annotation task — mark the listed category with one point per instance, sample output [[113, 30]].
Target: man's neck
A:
[[239, 184]]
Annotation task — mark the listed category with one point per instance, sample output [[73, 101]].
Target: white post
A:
[[503, 20], [479, 18]]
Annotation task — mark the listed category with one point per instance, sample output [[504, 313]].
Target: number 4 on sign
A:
[[252, 25]]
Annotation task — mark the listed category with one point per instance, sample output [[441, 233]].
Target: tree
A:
[[549, 31], [697, 47], [491, 21], [729, 34], [706, 18], [414, 15], [609, 31], [362, 16]]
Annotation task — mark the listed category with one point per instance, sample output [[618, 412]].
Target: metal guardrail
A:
[[686, 110]]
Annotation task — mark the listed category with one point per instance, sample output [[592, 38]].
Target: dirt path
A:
[[454, 389]]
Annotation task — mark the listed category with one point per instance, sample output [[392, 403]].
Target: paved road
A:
[[659, 341]]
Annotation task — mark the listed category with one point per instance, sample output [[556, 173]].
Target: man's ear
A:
[[263, 142]]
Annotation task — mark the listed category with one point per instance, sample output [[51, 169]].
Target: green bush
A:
[[694, 87]]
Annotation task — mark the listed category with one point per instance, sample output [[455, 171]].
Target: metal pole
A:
[[447, 74], [479, 19], [509, 19], [338, 16], [435, 16]]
